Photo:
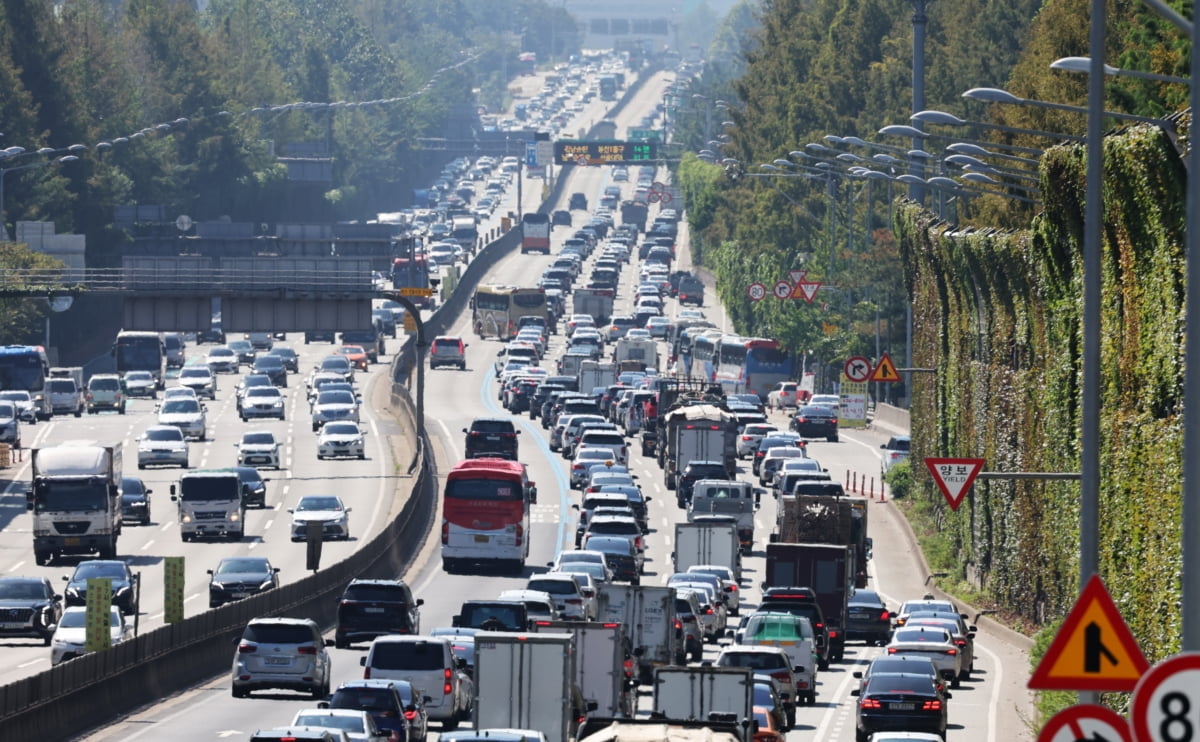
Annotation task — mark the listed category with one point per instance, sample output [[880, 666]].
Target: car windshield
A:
[[336, 363], [194, 373], [164, 434], [330, 721], [340, 429], [22, 590], [75, 619], [268, 362], [88, 571], [139, 376], [263, 391], [220, 353], [335, 397], [259, 438], [175, 406], [366, 699], [319, 503], [242, 564], [753, 660]]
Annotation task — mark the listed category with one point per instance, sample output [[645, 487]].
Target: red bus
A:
[[412, 273], [485, 514]]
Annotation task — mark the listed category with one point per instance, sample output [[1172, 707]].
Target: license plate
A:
[[481, 539], [72, 541], [10, 625], [902, 706], [239, 596], [372, 609], [287, 661]]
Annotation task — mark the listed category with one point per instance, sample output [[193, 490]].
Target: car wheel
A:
[[240, 692], [320, 457], [955, 682], [791, 717], [833, 439], [340, 643], [362, 457]]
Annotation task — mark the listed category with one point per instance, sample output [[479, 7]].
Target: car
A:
[[766, 728], [582, 461], [293, 656], [123, 581], [390, 703], [319, 379], [491, 436], [358, 724], [244, 350], [539, 605], [578, 201], [693, 472], [899, 664], [622, 556], [337, 404], [786, 394], [222, 360], [961, 633], [318, 336], [357, 355], [200, 379], [10, 424], [567, 594], [263, 401], [728, 580], [341, 438], [371, 608], [899, 702], [748, 439], [933, 642], [894, 451], [137, 384], [30, 608], [23, 402], [70, 633], [248, 382], [926, 603], [425, 661], [560, 218], [826, 400], [104, 392], [236, 578], [868, 618], [337, 364], [135, 500], [273, 368], [258, 448], [774, 459], [773, 440], [816, 421], [691, 630], [291, 361], [254, 487], [325, 509], [802, 601], [162, 445], [186, 414]]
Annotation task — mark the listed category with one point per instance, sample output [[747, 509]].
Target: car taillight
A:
[[782, 675], [574, 601], [247, 649], [733, 588], [869, 703], [410, 715], [961, 642], [445, 532], [891, 650], [307, 650], [367, 673], [833, 421], [833, 634], [951, 652], [447, 688], [884, 616], [708, 611], [745, 437], [932, 706], [520, 535]]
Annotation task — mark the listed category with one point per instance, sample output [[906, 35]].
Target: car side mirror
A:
[[857, 674], [362, 661], [883, 445], [461, 663], [275, 570], [854, 692], [209, 571], [66, 579]]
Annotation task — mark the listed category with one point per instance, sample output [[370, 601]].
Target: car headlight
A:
[[74, 592], [279, 403], [234, 515], [187, 518], [216, 587], [266, 585], [356, 442]]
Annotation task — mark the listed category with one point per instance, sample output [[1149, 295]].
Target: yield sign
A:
[[805, 290], [954, 476], [796, 276], [1094, 650]]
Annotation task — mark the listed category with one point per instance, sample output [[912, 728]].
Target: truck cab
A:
[[210, 505]]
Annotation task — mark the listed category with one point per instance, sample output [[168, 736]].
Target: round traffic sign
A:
[[857, 368], [756, 291], [1166, 701], [665, 197], [581, 160], [653, 197], [1085, 721], [782, 289]]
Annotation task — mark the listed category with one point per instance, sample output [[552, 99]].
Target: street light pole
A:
[[919, 21]]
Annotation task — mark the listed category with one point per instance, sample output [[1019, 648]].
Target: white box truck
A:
[[703, 693], [210, 505], [642, 350], [722, 497], [707, 543], [601, 651], [527, 681], [648, 614], [76, 500], [596, 373]]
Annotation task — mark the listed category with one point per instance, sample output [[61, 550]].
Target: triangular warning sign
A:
[[796, 276], [885, 370], [1094, 650], [954, 476], [805, 290]]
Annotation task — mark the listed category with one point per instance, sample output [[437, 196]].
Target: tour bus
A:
[[141, 351], [704, 359], [25, 368], [485, 514], [752, 365], [496, 311]]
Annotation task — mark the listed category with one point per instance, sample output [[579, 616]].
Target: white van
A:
[[429, 663], [173, 344]]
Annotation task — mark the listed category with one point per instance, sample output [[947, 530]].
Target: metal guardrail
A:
[[184, 280]]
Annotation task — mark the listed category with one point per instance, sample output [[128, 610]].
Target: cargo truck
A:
[[707, 543], [822, 519], [75, 498], [605, 729], [635, 213], [603, 664], [827, 569], [722, 497], [527, 681], [593, 374], [704, 693], [702, 432], [640, 350], [596, 302], [210, 505], [647, 612]]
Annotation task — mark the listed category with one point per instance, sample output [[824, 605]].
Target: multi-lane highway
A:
[[990, 706]]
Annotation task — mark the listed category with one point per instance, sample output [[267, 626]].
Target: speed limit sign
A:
[[1166, 701], [756, 291]]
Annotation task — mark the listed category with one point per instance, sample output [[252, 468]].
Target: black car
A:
[[135, 500], [540, 395], [767, 443], [816, 421], [291, 361], [254, 487], [273, 368], [520, 397], [491, 436], [371, 608], [28, 607], [578, 201], [236, 578], [693, 472], [802, 601], [561, 217], [318, 336], [382, 699], [909, 703], [868, 618], [124, 583]]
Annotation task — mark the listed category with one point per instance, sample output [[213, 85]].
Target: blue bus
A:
[[752, 365], [25, 368]]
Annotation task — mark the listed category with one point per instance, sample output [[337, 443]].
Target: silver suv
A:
[[447, 350], [282, 653]]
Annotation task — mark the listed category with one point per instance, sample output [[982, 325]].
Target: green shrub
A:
[[899, 479]]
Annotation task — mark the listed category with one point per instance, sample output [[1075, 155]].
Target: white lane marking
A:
[[31, 663], [190, 598], [17, 566], [167, 526], [147, 544]]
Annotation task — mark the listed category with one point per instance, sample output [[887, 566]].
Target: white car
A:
[[70, 635], [185, 414], [359, 725], [162, 445], [336, 404], [140, 384], [258, 448], [325, 509], [262, 401], [341, 438], [222, 360], [179, 392], [23, 401], [200, 379]]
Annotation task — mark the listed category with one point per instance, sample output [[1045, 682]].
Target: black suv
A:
[[491, 436], [802, 601], [29, 607], [371, 608], [578, 201], [694, 472]]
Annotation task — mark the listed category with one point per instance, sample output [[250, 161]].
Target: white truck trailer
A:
[[601, 653], [527, 681], [648, 614], [707, 543]]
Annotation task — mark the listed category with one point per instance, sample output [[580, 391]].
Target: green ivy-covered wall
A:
[[998, 314]]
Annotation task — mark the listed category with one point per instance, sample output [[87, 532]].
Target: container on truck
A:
[[704, 693], [640, 350], [527, 681], [75, 498], [823, 519], [465, 232], [603, 664], [635, 213], [596, 302], [647, 613], [828, 569], [722, 497], [210, 505], [707, 543], [703, 432], [594, 374]]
